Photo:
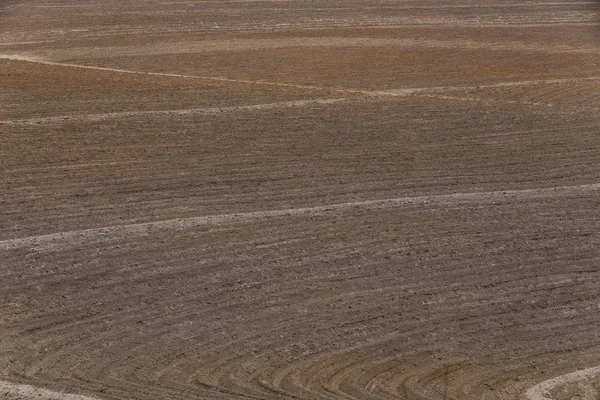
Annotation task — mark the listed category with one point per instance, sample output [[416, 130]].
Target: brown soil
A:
[[269, 199]]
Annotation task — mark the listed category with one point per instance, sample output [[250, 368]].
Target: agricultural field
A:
[[300, 199]]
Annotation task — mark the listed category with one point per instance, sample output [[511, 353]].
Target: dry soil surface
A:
[[299, 199]]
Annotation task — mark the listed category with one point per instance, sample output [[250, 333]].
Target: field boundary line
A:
[[188, 222], [29, 391], [541, 390]]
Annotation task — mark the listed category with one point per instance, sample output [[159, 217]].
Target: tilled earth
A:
[[267, 199]]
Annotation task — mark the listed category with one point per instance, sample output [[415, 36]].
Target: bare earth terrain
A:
[[300, 199]]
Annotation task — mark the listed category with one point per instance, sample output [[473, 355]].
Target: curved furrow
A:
[[181, 218]]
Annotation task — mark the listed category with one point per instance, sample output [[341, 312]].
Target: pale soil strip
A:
[[30, 42], [482, 100], [437, 93], [66, 167], [536, 82], [574, 109], [182, 223], [69, 6], [402, 7], [205, 46], [542, 390], [422, 92], [180, 112], [497, 5], [480, 25], [392, 92], [20, 391], [171, 75], [297, 103]]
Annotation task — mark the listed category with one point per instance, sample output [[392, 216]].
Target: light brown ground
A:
[[271, 199]]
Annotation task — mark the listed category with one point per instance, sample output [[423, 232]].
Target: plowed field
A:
[[299, 199]]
